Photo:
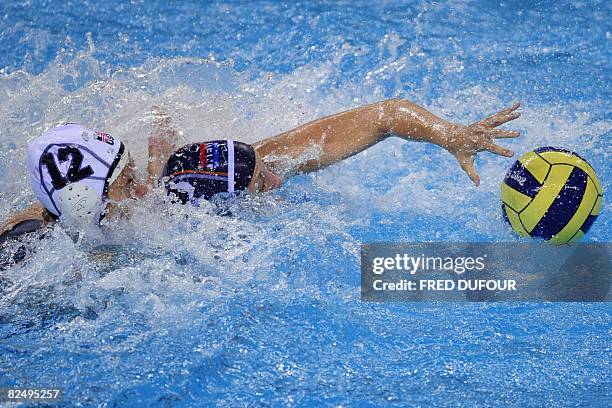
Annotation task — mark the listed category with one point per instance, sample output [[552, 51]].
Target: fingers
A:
[[510, 110], [514, 107], [467, 164], [502, 116], [504, 134], [493, 148]]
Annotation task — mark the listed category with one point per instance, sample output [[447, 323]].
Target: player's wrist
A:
[[447, 135]]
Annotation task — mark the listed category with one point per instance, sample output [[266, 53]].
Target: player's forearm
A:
[[331, 139], [413, 122], [162, 143], [157, 160], [33, 212]]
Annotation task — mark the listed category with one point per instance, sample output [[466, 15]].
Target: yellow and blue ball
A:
[[551, 194]]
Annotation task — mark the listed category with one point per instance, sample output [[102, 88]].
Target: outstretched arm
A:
[[326, 141]]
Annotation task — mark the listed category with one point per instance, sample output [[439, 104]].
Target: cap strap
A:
[[116, 168], [230, 166]]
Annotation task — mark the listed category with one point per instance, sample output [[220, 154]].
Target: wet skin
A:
[[263, 179]]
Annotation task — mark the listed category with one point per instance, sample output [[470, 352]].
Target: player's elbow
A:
[[387, 112]]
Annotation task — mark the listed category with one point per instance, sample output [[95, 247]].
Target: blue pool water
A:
[[263, 308]]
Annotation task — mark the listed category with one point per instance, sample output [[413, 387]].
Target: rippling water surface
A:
[[263, 307]]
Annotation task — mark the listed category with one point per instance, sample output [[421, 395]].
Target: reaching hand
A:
[[464, 142]]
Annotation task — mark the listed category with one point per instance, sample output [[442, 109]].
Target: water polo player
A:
[[76, 172], [73, 171], [199, 171]]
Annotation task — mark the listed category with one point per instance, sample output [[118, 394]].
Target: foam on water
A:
[[180, 304]]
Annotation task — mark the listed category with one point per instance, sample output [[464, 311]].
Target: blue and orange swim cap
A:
[[201, 170]]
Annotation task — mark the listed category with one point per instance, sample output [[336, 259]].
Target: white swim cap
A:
[[72, 167]]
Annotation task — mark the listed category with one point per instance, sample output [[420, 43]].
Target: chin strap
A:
[[230, 166]]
